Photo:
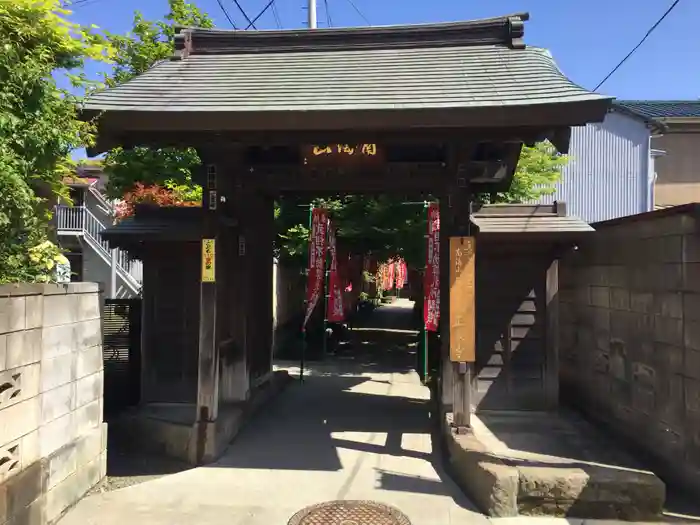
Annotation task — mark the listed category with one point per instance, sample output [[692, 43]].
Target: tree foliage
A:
[[386, 226], [538, 171], [151, 41], [169, 195], [148, 43], [161, 167], [39, 127]]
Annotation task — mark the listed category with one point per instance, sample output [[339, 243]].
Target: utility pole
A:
[[312, 14]]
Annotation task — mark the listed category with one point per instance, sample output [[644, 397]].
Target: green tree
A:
[[148, 43], [538, 171], [39, 127]]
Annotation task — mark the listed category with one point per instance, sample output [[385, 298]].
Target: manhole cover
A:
[[349, 513]]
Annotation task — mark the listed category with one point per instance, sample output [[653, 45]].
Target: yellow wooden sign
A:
[[462, 299], [208, 260]]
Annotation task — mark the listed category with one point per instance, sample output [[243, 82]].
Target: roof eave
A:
[[115, 127], [654, 125], [680, 120]]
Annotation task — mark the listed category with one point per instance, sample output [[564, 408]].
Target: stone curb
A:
[[550, 491]]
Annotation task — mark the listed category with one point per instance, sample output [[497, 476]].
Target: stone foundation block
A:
[[508, 484], [490, 484]]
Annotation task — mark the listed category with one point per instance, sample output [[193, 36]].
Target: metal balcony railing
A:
[[70, 219], [79, 220]]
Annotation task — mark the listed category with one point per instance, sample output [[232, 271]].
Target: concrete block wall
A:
[[52, 436], [630, 335]]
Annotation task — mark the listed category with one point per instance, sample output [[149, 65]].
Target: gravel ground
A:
[[126, 468]]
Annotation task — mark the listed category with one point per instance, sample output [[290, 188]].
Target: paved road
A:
[[356, 428]]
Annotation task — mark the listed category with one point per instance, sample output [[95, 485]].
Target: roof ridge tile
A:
[[505, 30]]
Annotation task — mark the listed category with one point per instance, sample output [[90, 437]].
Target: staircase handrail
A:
[[92, 228], [108, 206]]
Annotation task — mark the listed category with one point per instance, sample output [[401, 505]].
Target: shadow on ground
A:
[[327, 402]]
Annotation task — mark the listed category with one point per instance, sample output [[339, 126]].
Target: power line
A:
[[262, 12], [277, 16], [245, 15], [78, 3], [329, 20], [651, 30], [228, 17], [359, 12]]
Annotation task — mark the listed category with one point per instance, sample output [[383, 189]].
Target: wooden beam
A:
[[402, 178], [233, 139], [552, 335]]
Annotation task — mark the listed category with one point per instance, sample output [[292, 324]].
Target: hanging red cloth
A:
[[431, 288], [317, 261], [335, 313]]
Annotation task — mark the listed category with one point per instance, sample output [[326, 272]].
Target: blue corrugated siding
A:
[[607, 175]]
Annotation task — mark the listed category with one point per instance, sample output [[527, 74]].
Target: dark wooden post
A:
[[460, 277], [462, 315], [447, 369], [552, 334], [259, 231], [208, 369], [233, 335]]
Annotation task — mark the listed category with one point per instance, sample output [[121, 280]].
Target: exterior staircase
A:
[[83, 222]]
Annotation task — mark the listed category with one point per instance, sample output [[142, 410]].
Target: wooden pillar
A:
[[460, 322], [552, 334], [208, 369], [259, 232], [446, 368], [237, 378]]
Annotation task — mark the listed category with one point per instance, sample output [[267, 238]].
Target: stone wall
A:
[[630, 335], [52, 437]]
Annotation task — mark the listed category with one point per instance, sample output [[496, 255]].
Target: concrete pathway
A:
[[356, 428]]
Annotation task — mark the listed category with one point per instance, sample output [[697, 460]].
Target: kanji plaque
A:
[[208, 260], [462, 299], [341, 154]]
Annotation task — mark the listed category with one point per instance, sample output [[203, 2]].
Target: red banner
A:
[[317, 261], [335, 313], [391, 274], [431, 284], [401, 273]]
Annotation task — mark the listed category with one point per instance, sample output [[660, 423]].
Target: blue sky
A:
[[587, 38]]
